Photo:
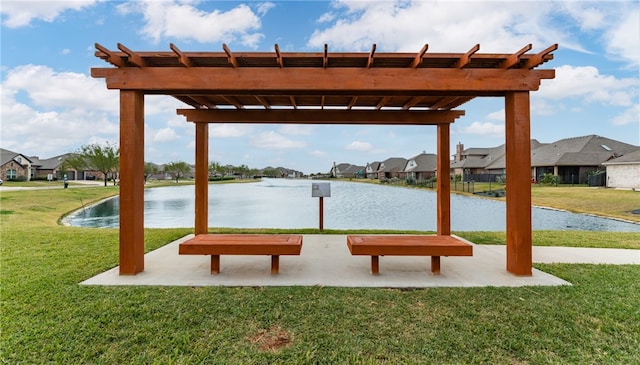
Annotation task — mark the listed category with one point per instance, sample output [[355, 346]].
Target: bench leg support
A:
[[275, 264], [435, 265], [375, 265], [215, 264]]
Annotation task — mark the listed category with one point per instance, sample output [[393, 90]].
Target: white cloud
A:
[[318, 153], [623, 38], [165, 135], [497, 115], [229, 130], [21, 13], [586, 82], [66, 110], [182, 20], [47, 88], [263, 8], [359, 146], [296, 129], [486, 128], [629, 116], [275, 141], [446, 26]]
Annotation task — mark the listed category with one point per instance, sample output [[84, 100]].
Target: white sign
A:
[[50, 177], [320, 190]]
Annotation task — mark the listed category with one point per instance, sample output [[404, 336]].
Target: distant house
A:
[[481, 164], [392, 168], [624, 172], [421, 167], [574, 158], [371, 170], [347, 170], [15, 166]]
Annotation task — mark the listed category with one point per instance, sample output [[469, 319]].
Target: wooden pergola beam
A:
[[338, 81], [321, 116]]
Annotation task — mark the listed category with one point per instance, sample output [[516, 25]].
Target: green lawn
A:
[[48, 318]]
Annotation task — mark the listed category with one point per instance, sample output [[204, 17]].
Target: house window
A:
[[11, 174]]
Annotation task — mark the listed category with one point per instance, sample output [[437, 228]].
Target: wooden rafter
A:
[[418, 59], [444, 102], [230, 57], [370, 60], [382, 102], [514, 59], [538, 59], [233, 101], [112, 58], [325, 116], [279, 56], [134, 58], [352, 102], [466, 58], [263, 101], [204, 101], [412, 102], [184, 60], [325, 58]]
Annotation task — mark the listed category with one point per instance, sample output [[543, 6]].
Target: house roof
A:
[[392, 164], [628, 158], [6, 156], [591, 150], [424, 162], [49, 163]]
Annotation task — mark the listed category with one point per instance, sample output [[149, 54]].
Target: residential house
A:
[[421, 167], [392, 168], [624, 171], [347, 170], [57, 169], [572, 159], [15, 166], [371, 170]]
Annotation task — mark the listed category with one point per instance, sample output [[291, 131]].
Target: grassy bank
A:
[[48, 318]]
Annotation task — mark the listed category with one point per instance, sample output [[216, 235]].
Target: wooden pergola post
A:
[[443, 167], [131, 182], [202, 179], [518, 162]]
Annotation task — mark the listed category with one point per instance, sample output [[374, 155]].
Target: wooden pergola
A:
[[277, 87]]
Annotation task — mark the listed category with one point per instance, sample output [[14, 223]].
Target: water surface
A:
[[283, 203]]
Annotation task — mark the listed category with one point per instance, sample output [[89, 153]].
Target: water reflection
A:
[[280, 203]]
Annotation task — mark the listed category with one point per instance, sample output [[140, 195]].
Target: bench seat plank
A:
[[408, 245], [242, 244]]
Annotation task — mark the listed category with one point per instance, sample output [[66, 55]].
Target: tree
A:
[[214, 167], [103, 158], [150, 169], [177, 169]]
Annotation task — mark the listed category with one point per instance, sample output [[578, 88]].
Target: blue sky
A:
[[51, 105]]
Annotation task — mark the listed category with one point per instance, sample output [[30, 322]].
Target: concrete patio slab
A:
[[325, 260]]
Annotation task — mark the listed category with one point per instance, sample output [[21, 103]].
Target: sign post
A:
[[321, 190]]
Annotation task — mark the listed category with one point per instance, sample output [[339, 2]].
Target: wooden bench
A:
[[434, 246], [242, 244]]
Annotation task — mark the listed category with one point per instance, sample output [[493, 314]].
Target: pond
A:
[[284, 203]]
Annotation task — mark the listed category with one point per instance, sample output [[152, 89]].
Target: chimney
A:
[[459, 149]]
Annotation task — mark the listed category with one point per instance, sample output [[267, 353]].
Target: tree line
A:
[[105, 158]]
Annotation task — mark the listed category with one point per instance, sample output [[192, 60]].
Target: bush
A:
[[550, 179]]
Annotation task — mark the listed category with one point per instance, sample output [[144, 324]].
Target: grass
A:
[[612, 203], [48, 318]]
